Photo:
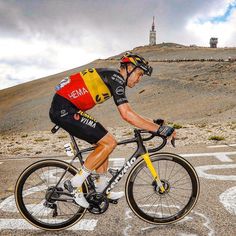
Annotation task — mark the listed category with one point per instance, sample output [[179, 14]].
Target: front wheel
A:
[[181, 185], [42, 201]]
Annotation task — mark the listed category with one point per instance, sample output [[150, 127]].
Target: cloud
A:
[[41, 37], [221, 25], [222, 15], [33, 59]]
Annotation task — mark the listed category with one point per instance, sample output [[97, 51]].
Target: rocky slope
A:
[[182, 92]]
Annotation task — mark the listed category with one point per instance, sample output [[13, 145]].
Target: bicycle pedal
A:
[[113, 201], [60, 189]]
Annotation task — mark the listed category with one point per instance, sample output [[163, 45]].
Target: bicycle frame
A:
[[140, 151], [99, 202]]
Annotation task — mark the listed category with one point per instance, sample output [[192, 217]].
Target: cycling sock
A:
[[80, 177], [101, 182]]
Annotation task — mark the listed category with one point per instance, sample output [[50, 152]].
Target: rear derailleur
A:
[[51, 197]]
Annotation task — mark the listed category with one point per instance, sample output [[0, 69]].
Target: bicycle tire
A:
[[139, 209], [20, 201]]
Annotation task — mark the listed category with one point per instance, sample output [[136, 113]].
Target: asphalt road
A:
[[214, 214]]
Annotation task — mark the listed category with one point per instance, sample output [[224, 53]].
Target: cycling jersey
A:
[[93, 86]]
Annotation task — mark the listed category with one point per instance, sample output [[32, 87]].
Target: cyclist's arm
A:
[[129, 115]]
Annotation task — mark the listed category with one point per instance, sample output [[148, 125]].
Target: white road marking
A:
[[8, 205], [206, 223], [228, 199], [20, 224], [127, 216], [221, 156], [223, 145], [116, 162], [201, 170], [33, 157], [190, 217], [1, 163]]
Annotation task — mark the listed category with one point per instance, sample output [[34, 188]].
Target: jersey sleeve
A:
[[117, 88]]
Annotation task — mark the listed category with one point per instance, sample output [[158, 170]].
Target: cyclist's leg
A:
[[98, 159], [103, 168]]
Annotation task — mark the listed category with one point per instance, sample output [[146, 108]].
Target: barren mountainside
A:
[[184, 92]]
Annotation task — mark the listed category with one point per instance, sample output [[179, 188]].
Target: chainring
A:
[[98, 203]]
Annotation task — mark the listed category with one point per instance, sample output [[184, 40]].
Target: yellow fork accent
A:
[[80, 189], [155, 175]]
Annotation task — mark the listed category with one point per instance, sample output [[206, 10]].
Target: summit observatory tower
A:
[[152, 36]]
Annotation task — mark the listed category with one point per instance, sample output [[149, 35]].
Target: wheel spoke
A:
[[176, 172], [151, 206], [179, 180], [147, 196], [176, 181], [166, 168], [148, 174], [34, 184], [147, 183], [174, 198], [168, 206], [171, 171]]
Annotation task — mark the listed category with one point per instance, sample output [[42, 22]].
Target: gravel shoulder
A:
[[44, 143]]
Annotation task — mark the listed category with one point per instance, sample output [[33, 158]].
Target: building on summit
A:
[[213, 42], [152, 36]]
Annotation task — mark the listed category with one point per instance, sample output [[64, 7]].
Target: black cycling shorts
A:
[[74, 121]]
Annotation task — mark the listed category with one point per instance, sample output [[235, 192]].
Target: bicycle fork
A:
[[155, 175]]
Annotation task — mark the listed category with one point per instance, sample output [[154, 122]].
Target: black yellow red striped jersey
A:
[[93, 86]]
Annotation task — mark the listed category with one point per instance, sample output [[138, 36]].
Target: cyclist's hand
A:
[[166, 131], [159, 122]]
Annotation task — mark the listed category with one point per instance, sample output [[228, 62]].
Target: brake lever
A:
[[173, 142]]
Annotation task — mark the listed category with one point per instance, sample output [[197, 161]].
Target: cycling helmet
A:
[[138, 61]]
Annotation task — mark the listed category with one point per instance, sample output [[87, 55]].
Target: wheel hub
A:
[[165, 184]]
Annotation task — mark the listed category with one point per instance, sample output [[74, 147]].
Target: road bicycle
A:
[[161, 187]]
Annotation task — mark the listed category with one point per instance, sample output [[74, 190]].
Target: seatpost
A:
[[77, 149]]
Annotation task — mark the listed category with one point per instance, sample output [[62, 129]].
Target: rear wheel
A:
[[40, 201], [181, 185]]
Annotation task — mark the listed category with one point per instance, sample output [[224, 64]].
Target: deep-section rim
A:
[[158, 156], [29, 169]]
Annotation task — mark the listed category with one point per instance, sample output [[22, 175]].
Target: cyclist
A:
[[80, 92]]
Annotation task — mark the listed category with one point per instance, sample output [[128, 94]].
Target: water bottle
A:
[[69, 149]]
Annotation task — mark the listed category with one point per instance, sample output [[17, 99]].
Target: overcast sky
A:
[[44, 37]]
